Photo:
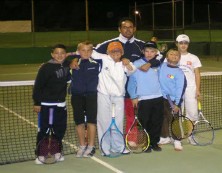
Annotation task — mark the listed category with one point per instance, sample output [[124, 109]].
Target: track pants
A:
[[104, 113]]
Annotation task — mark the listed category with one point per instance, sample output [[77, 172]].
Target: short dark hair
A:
[[150, 44], [126, 19], [62, 46], [172, 49]]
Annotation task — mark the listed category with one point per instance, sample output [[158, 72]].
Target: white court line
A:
[[66, 142]]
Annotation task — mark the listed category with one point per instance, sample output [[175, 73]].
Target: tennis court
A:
[[192, 159], [18, 126]]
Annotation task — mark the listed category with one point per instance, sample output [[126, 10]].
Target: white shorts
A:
[[190, 103]]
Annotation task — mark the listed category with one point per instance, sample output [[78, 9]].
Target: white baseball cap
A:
[[182, 37]]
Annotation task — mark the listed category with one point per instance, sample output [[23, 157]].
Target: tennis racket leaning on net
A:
[[112, 143], [203, 133], [137, 138], [49, 149], [181, 126]]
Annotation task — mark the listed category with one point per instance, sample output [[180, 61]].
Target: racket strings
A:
[[203, 133], [112, 143], [49, 150], [181, 128], [137, 140]]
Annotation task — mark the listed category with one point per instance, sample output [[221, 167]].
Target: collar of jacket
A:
[[124, 39], [90, 60]]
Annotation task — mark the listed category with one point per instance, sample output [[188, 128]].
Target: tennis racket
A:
[[181, 126], [49, 149], [137, 138], [112, 143], [203, 133]]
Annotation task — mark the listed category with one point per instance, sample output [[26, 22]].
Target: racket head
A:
[[49, 150], [203, 133], [181, 127], [137, 138], [112, 143]]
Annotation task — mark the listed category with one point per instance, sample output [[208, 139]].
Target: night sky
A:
[[103, 14]]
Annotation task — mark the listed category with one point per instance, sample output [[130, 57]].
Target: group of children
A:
[[98, 81]]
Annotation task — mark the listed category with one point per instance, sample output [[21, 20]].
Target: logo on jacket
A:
[[91, 68], [189, 63], [170, 76]]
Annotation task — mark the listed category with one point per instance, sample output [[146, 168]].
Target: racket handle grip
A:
[[51, 116], [135, 110], [113, 110], [199, 105], [39, 116]]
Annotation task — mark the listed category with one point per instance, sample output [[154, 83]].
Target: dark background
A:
[[59, 15]]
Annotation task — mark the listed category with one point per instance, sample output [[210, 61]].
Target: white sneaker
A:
[[177, 145], [81, 151], [163, 141], [38, 162], [126, 151], [191, 141], [59, 157]]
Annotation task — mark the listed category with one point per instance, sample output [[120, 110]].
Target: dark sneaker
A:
[[156, 148], [148, 150]]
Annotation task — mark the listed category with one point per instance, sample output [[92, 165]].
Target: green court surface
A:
[[193, 159]]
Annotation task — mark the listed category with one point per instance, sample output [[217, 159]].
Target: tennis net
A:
[[18, 122]]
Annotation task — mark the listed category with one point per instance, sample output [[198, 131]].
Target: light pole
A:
[[87, 19], [33, 17], [135, 10], [136, 13], [33, 23], [173, 19]]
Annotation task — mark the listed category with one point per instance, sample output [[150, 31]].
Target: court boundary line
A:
[[103, 163]]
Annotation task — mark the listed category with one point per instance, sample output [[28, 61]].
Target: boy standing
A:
[[50, 92], [84, 98], [145, 92], [173, 83], [111, 87], [190, 65]]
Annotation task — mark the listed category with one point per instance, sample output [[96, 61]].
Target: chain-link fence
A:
[[166, 19]]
